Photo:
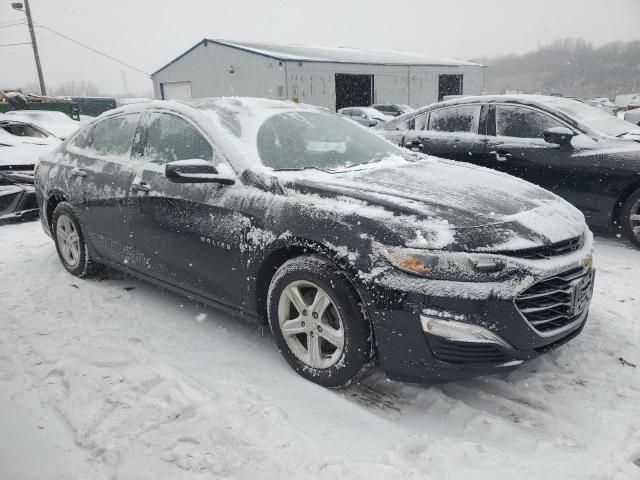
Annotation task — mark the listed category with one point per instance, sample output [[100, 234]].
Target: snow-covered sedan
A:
[[21, 144], [581, 153], [56, 123], [353, 250], [367, 116]]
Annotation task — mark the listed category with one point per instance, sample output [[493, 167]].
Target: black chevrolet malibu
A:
[[354, 251], [580, 152]]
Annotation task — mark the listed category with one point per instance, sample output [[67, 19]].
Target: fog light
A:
[[460, 332]]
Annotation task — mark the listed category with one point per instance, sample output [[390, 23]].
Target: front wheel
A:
[[318, 323], [630, 216]]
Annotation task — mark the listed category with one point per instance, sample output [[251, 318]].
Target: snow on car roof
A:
[[319, 54]]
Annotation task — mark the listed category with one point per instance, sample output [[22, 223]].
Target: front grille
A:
[[461, 352], [548, 251], [557, 301]]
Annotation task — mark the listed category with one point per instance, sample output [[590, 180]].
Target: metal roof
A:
[[315, 54]]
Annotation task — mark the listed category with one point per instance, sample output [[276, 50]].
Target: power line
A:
[[14, 44], [12, 24], [93, 50]]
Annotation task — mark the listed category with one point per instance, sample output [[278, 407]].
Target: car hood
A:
[[446, 205], [17, 151]]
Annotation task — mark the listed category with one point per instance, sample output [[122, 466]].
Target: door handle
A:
[[501, 155], [414, 146], [78, 172], [141, 187]]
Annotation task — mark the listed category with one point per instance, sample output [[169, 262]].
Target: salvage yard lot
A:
[[114, 378]]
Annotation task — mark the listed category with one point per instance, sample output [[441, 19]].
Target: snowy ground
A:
[[113, 378]]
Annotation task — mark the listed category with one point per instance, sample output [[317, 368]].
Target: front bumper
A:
[[499, 337]]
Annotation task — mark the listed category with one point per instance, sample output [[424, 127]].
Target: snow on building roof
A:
[[315, 54]]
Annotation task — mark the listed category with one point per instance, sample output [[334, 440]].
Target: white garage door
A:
[[176, 90]]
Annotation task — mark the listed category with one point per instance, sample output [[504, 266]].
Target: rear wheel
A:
[[317, 322], [70, 243], [630, 220]]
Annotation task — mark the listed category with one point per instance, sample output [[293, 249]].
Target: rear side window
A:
[[463, 119], [522, 122], [170, 138], [114, 136]]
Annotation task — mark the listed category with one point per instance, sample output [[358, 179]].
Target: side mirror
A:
[[195, 171], [558, 135]]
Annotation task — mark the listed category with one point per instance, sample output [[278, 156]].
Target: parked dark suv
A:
[[352, 249], [582, 153]]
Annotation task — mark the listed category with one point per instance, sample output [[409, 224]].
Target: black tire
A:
[[84, 265], [356, 355], [631, 206]]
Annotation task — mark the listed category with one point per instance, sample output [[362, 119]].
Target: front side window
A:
[[170, 138], [522, 122], [460, 119], [114, 136]]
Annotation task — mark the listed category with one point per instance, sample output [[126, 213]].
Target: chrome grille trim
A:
[[547, 251], [557, 303]]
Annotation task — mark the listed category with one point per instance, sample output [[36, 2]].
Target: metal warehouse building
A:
[[329, 77]]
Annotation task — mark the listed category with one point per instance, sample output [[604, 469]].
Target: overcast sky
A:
[[149, 33]]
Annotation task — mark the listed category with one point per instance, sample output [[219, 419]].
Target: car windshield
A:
[[595, 118], [297, 140]]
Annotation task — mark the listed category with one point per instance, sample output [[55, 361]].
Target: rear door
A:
[[185, 233], [101, 169], [449, 132]]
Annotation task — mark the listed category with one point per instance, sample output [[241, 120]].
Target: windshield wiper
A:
[[627, 133]]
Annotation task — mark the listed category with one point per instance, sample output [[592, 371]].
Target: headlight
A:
[[442, 265]]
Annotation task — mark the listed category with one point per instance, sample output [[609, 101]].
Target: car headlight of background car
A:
[[455, 266]]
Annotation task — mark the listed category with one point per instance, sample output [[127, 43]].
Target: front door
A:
[[518, 148], [184, 233]]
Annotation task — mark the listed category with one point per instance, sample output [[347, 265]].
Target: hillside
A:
[[572, 67]]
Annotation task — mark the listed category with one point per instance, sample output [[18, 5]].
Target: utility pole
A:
[[34, 43]]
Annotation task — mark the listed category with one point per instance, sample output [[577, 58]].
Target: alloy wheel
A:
[[68, 240], [311, 324]]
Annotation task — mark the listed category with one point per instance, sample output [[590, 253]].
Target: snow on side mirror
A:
[[196, 171], [558, 136]]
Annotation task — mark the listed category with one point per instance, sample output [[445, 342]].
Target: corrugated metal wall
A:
[[209, 70]]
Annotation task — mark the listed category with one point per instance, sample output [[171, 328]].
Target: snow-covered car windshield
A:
[[294, 140], [596, 118]]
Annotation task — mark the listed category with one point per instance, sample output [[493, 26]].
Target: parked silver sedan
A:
[[367, 116]]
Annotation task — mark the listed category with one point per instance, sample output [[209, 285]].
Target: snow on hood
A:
[[56, 123], [15, 150], [443, 204]]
